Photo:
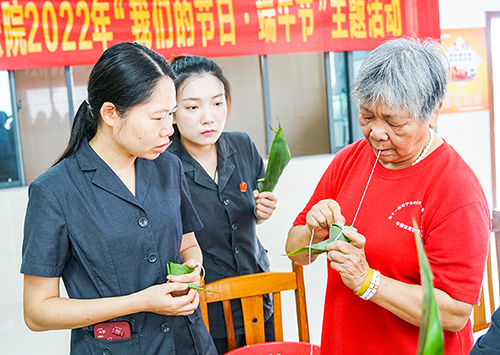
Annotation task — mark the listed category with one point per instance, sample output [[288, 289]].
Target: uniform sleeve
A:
[[190, 220], [45, 246], [489, 343]]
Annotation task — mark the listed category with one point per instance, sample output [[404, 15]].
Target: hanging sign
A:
[[48, 33]]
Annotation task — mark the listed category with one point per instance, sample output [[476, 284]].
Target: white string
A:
[[366, 188], [338, 235]]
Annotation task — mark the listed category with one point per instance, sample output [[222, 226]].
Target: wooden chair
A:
[[250, 289], [481, 313]]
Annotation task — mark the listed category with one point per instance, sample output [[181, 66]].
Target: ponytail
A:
[[84, 127]]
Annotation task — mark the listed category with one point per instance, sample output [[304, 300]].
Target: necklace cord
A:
[[427, 147]]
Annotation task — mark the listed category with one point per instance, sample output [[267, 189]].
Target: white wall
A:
[[456, 14], [469, 134], [15, 337]]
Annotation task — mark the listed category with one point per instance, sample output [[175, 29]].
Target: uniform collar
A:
[[225, 162], [105, 178]]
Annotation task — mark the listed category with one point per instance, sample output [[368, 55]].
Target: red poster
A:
[[467, 55], [62, 33]]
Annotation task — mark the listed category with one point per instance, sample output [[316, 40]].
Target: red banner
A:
[[38, 33]]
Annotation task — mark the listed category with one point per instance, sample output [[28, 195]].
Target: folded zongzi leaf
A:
[[318, 248], [180, 269]]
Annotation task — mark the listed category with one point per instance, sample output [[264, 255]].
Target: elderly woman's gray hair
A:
[[406, 74]]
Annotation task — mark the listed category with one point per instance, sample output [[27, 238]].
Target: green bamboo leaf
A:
[[430, 338], [180, 269], [279, 156], [196, 287], [318, 248]]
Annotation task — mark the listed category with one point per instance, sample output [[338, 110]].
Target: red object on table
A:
[[277, 348]]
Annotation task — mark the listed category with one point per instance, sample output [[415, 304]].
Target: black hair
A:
[[126, 75], [186, 66]]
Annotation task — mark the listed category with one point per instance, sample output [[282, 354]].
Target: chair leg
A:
[[300, 302], [278, 317], [228, 317]]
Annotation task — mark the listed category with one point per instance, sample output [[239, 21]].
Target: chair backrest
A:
[[250, 289], [482, 312]]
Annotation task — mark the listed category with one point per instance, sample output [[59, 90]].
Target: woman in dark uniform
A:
[[221, 169], [110, 214]]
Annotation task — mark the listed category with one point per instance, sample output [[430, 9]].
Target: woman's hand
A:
[[194, 277], [349, 259], [158, 299], [322, 215], [265, 204], [44, 309]]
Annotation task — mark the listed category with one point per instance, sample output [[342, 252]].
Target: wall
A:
[[15, 337]]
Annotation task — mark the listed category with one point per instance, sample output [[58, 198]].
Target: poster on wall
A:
[[468, 87]]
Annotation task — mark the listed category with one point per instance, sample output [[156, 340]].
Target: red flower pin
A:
[[243, 186]]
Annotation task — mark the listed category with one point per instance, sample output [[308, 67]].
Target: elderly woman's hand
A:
[[349, 259], [322, 215]]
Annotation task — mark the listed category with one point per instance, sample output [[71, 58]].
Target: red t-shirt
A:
[[446, 199]]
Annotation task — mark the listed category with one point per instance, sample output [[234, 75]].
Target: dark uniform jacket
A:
[[84, 225], [228, 238], [489, 343]]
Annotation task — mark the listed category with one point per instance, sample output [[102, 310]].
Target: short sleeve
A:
[[458, 246], [190, 219], [45, 246]]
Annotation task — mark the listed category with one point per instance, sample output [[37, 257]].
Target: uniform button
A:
[[226, 201], [152, 258], [143, 222], [106, 351], [165, 327], [236, 250], [234, 226]]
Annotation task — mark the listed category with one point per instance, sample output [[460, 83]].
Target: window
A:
[[43, 117], [247, 112], [298, 101], [10, 174]]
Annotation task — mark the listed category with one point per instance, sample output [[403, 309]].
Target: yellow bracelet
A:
[[365, 285]]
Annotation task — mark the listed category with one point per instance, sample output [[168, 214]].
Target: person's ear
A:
[[434, 118], [109, 114]]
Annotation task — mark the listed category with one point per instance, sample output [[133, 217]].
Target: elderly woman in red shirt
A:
[[400, 173]]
